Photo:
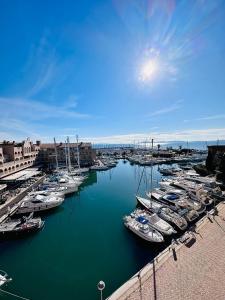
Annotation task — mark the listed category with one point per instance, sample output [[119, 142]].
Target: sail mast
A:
[[56, 155], [69, 161], [78, 153], [66, 152]]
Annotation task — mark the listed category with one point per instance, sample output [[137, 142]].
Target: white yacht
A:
[[143, 230], [38, 203], [53, 187], [177, 200], [154, 221], [164, 212]]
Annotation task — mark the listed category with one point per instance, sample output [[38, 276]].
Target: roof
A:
[[21, 175], [63, 145]]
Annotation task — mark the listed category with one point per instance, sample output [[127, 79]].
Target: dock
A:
[[187, 269], [11, 205]]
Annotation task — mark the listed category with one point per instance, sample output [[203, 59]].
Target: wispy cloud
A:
[[182, 135], [175, 106], [207, 118], [36, 110]]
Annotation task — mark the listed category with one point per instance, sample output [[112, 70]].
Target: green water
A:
[[83, 241]]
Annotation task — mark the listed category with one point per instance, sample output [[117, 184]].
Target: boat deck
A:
[[195, 270]]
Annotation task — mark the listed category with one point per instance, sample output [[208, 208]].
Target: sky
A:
[[112, 71]]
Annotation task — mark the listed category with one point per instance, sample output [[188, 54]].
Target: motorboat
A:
[[21, 225], [180, 201], [154, 221], [207, 181], [57, 189], [37, 203], [164, 212], [62, 181], [4, 278], [142, 229], [47, 193]]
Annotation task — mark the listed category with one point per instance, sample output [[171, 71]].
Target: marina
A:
[[68, 246]]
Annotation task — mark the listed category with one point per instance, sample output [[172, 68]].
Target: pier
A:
[[11, 205], [187, 269]]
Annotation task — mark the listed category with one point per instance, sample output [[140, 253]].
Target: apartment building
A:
[[17, 156], [86, 153]]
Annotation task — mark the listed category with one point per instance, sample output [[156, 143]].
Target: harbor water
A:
[[83, 241]]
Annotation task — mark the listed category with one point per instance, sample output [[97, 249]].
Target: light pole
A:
[[101, 286]]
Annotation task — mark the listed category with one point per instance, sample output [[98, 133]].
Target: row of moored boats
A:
[[178, 202], [47, 196]]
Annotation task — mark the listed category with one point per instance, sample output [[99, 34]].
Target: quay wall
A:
[[16, 199]]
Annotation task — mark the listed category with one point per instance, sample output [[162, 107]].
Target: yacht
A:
[[180, 201], [20, 226], [143, 230], [36, 203], [57, 189], [154, 221], [164, 212]]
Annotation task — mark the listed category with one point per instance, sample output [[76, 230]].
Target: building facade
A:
[[86, 153], [216, 160], [17, 156]]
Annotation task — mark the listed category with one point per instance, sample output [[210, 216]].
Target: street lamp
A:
[[101, 286]]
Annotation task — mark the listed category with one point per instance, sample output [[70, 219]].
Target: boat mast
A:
[[69, 161], [56, 156], [66, 153], [78, 153]]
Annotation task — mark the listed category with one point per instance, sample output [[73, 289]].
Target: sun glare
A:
[[148, 70]]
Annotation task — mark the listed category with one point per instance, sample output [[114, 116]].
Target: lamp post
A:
[[101, 286]]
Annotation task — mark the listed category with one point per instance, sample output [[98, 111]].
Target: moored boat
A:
[[154, 221], [164, 212], [37, 203], [143, 230], [21, 225]]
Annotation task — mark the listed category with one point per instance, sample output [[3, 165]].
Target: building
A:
[[17, 156], [216, 160], [48, 154]]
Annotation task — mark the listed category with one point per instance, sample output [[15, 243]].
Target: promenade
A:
[[195, 270]]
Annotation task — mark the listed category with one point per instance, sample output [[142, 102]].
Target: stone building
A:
[[17, 156], [216, 160], [86, 153]]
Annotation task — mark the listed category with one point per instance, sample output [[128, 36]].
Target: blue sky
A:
[[78, 67]]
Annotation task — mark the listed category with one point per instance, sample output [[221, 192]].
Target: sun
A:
[[148, 70]]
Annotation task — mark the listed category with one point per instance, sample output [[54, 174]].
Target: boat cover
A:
[[172, 197], [142, 220]]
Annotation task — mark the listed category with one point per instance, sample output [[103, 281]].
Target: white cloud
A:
[[182, 135], [207, 118], [175, 106], [19, 108]]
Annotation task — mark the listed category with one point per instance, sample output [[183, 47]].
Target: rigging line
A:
[[140, 180], [13, 295]]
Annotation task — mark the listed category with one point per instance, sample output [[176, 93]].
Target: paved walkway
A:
[[193, 271]]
